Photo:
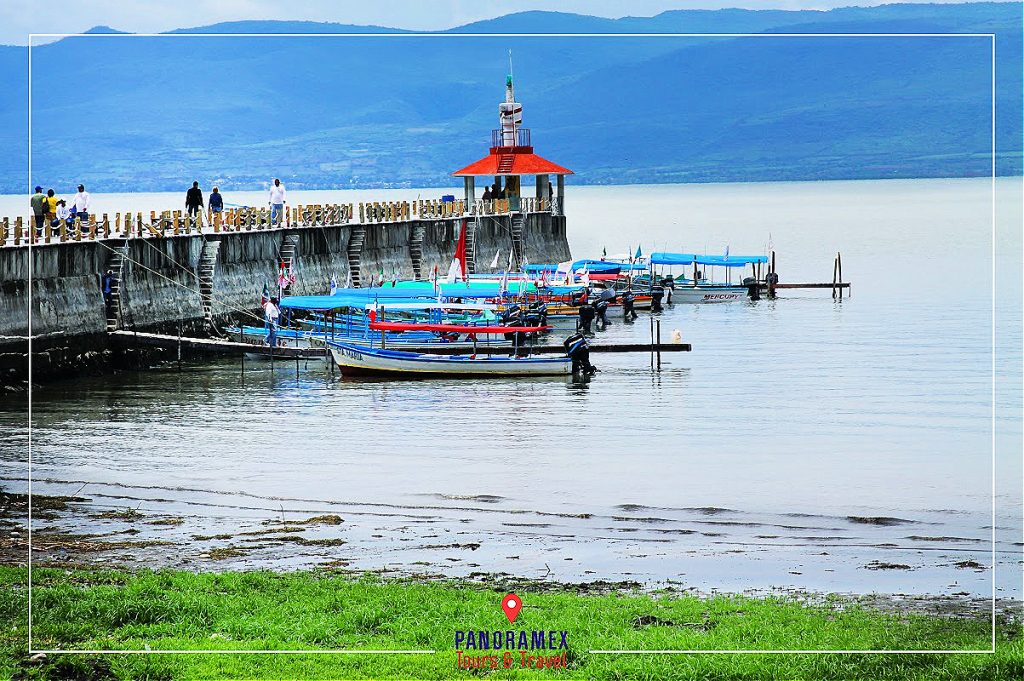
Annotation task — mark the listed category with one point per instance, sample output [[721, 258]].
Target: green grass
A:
[[100, 609]]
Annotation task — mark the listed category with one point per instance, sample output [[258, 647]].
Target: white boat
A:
[[707, 294], [357, 360], [704, 290]]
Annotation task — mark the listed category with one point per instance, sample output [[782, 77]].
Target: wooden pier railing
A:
[[21, 231]]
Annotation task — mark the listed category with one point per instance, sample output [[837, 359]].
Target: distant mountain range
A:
[[154, 113]]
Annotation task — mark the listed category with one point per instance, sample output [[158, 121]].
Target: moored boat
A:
[[358, 360]]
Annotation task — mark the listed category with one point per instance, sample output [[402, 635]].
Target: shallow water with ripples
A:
[[804, 443]]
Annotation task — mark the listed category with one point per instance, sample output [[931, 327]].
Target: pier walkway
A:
[[137, 225]]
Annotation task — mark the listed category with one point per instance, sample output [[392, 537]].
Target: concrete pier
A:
[[176, 276]]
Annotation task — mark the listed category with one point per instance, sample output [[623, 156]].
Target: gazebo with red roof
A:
[[511, 156]]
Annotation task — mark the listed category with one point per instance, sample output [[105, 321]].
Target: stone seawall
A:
[[189, 282]]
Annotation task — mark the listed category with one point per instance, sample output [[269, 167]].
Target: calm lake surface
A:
[[802, 442]]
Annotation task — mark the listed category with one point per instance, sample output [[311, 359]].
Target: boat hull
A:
[[354, 360], [709, 294]]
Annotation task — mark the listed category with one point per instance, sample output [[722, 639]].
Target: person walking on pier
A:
[[277, 201], [194, 199], [81, 204], [38, 203], [216, 201]]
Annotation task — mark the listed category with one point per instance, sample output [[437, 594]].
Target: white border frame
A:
[[990, 36]]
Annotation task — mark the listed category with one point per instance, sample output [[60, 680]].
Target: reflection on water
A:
[[752, 461]]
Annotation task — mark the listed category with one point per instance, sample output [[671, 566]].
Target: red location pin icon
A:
[[511, 604]]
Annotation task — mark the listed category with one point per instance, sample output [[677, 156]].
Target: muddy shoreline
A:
[[132, 543]]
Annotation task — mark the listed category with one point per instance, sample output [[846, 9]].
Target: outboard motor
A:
[[578, 350], [628, 313], [657, 293], [510, 313], [539, 309], [602, 314], [587, 314], [753, 288]]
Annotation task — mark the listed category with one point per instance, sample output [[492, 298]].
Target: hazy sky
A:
[[18, 18]]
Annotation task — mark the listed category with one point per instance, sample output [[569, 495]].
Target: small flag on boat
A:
[[504, 283], [585, 279], [604, 253], [457, 270], [334, 285], [265, 298], [494, 263], [348, 279], [726, 253], [639, 253]]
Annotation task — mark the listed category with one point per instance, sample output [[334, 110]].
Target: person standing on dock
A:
[[277, 201], [107, 284], [38, 203], [216, 201], [51, 207], [81, 204], [272, 313], [194, 199]]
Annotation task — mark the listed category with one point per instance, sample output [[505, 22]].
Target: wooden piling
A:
[[839, 262], [835, 273], [17, 231]]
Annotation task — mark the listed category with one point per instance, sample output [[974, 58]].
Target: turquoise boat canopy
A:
[[592, 266], [413, 292], [713, 260]]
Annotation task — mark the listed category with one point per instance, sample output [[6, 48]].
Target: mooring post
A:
[[835, 272], [772, 277], [652, 342], [839, 262], [658, 325]]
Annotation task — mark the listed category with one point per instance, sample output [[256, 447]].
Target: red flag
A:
[[460, 252]]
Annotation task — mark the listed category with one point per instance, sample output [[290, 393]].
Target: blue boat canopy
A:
[[714, 260], [592, 266]]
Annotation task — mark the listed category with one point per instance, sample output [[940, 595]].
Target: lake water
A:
[[802, 442]]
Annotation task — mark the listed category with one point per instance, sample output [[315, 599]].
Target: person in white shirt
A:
[[277, 201], [273, 315], [81, 203]]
